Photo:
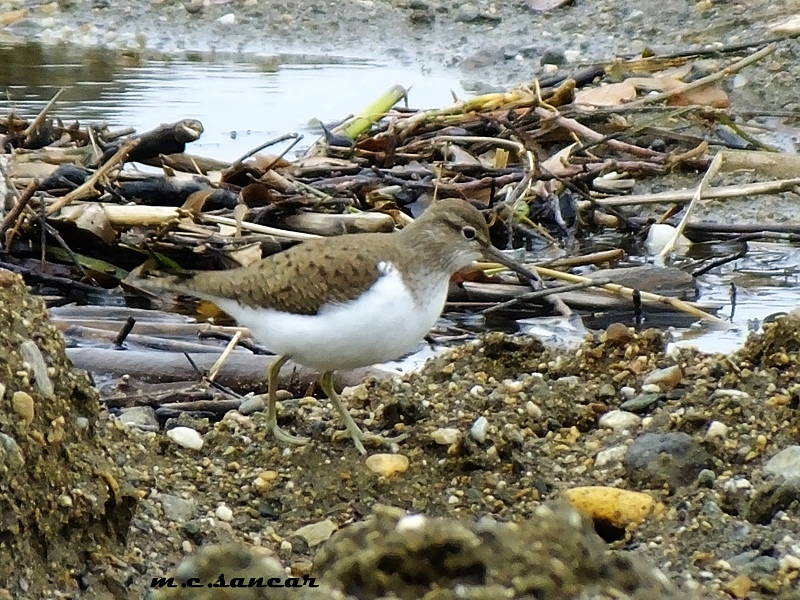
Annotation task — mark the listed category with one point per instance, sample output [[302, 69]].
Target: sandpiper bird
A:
[[348, 301]]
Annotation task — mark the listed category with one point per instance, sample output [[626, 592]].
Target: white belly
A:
[[383, 324]]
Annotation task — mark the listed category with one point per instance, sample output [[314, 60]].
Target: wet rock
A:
[[553, 57], [64, 503], [673, 459], [785, 463], [553, 555], [143, 417], [772, 497], [387, 464]]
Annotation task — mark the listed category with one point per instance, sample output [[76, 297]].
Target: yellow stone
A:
[[621, 508], [387, 464]]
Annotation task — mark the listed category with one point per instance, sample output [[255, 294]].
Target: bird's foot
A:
[[359, 437], [285, 437]]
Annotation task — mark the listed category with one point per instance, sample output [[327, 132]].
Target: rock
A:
[[252, 405], [388, 555], [466, 13], [10, 454], [666, 379], [616, 507], [739, 586], [606, 391], [143, 417], [186, 437], [610, 455], [227, 19], [553, 57], [771, 497], [224, 513], [619, 420], [316, 533], [641, 403], [706, 478], [717, 429], [22, 403], [177, 509], [785, 463], [445, 436], [617, 334], [33, 356], [479, 430], [387, 464], [673, 459]]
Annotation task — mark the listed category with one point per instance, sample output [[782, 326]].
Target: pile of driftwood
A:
[[551, 163]]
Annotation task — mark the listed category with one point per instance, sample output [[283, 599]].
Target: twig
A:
[[283, 233], [37, 122], [212, 373], [704, 81], [123, 333], [86, 189], [543, 294], [621, 290], [289, 136], [15, 212]]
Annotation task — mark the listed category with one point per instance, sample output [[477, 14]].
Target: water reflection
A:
[[241, 101]]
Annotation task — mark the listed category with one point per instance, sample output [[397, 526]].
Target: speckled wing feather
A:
[[299, 280]]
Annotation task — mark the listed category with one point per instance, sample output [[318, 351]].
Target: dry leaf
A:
[[613, 94], [708, 95]]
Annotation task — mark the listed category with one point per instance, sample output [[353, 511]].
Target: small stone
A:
[[553, 57], [33, 356], [227, 19], [717, 429], [672, 459], [445, 436], [356, 392], [619, 420], [252, 405], [176, 508], [651, 388], [533, 410], [143, 417], [785, 463], [641, 403], [666, 379], [64, 500], [22, 403], [2, 390], [186, 437], [610, 455], [286, 547], [224, 513], [387, 464], [607, 390], [316, 533], [512, 387], [11, 457], [479, 430], [739, 586], [706, 478], [618, 334], [617, 507]]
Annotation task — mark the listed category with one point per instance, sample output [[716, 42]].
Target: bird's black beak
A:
[[498, 256]]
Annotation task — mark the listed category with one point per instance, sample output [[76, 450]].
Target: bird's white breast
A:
[[382, 324]]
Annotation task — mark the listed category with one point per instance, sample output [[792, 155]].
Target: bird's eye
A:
[[469, 232]]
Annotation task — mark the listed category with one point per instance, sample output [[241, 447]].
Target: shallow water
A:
[[244, 101]]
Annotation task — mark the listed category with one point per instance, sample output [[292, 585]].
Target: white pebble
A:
[[619, 419], [512, 387], [410, 523], [477, 390], [533, 410], [286, 546], [651, 388], [479, 429], [717, 430], [453, 500], [224, 513], [445, 436], [227, 19], [611, 455], [186, 437]]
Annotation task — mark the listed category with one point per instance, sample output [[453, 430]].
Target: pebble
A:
[[224, 513], [387, 464], [356, 392], [512, 386], [618, 333], [176, 508], [316, 533], [479, 429], [666, 379], [252, 405], [706, 478], [445, 436], [739, 586], [533, 410], [11, 454], [672, 459], [717, 429], [785, 463], [619, 420], [651, 388], [618, 507], [607, 390], [33, 356], [186, 437], [139, 416], [610, 455], [2, 390], [641, 403], [227, 19], [22, 403]]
